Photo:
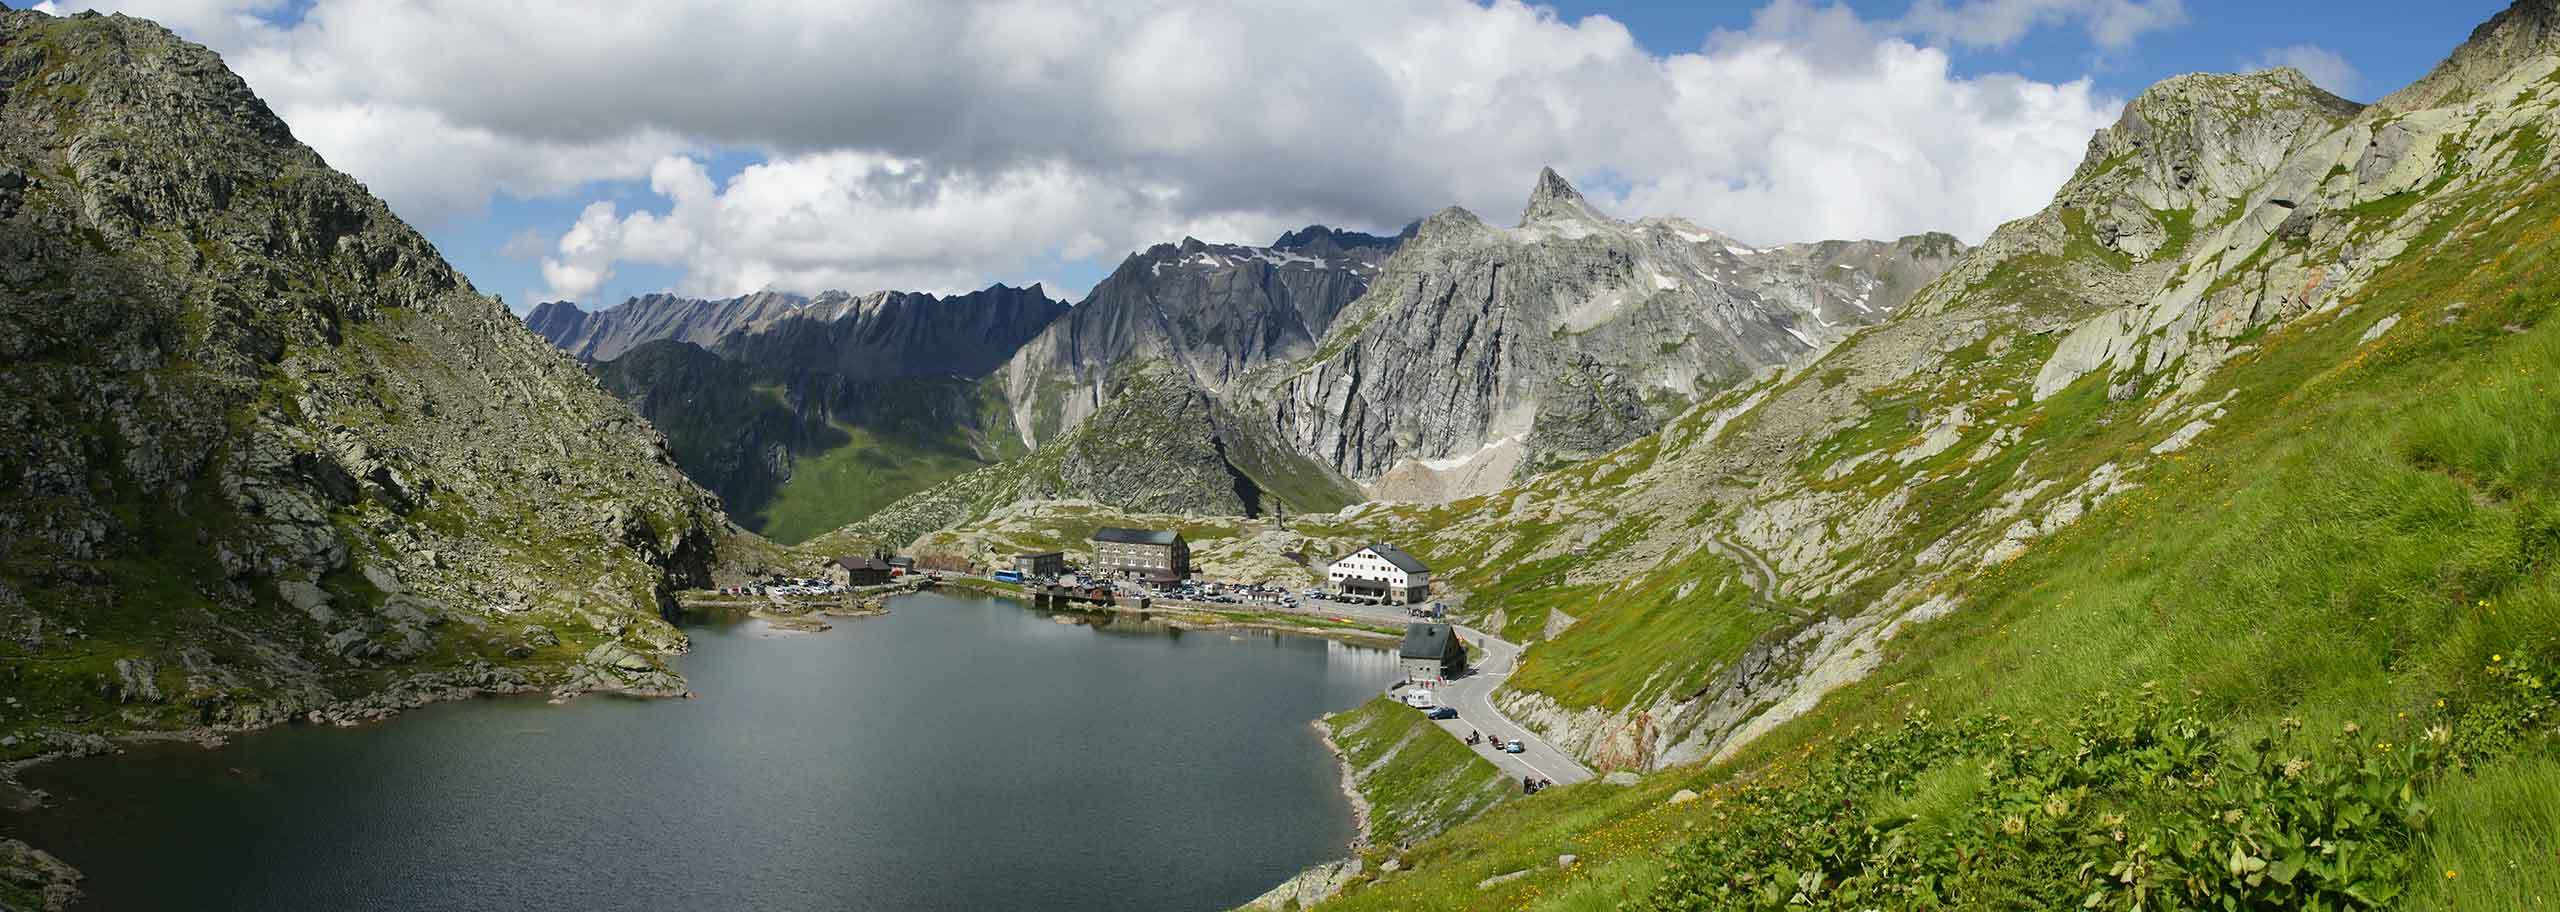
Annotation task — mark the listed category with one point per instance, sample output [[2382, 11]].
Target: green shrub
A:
[[2137, 802]]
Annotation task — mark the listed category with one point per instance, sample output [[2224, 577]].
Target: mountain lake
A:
[[962, 752]]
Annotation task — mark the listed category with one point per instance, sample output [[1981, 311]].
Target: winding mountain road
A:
[[1493, 660], [1490, 661]]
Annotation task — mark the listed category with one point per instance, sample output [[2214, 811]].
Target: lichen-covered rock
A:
[[28, 872]]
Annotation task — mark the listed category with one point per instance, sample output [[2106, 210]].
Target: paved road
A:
[[1493, 660], [1472, 696]]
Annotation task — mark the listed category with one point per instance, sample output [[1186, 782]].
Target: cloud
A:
[[2110, 24], [2326, 68], [946, 144]]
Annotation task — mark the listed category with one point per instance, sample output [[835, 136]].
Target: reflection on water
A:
[[960, 753]]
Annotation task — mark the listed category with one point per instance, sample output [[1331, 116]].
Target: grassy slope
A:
[[2370, 531], [889, 438], [872, 469], [1418, 781]]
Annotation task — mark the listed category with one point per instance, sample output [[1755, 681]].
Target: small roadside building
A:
[[1383, 572], [1045, 563], [1149, 554], [1431, 653], [901, 565], [858, 571]]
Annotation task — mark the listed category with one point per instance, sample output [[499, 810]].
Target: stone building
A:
[[1431, 653], [1153, 554], [863, 570], [1383, 572], [1045, 563]]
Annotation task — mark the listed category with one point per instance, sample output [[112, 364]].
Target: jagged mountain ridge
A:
[[1219, 311], [1441, 383], [877, 335], [271, 455], [1482, 355]]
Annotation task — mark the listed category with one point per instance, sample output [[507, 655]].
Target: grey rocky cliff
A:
[[1481, 355], [269, 455], [1217, 311], [880, 335]]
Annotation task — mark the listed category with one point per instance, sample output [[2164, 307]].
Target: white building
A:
[[1381, 572]]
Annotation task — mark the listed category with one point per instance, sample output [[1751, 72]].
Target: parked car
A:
[[1514, 746], [1442, 712]]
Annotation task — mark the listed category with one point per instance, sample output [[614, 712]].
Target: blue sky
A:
[[600, 150], [2389, 43]]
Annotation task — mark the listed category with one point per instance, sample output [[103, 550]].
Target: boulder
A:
[[1683, 796], [308, 599], [1620, 777], [137, 681]]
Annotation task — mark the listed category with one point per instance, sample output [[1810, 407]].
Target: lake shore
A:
[[1200, 616], [780, 672]]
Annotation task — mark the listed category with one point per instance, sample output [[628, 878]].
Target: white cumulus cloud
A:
[[2112, 24], [947, 144], [2326, 68]]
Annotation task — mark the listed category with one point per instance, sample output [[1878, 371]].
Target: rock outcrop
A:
[[1483, 355], [1216, 311], [266, 451]]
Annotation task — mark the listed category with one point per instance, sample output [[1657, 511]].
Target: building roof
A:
[[1429, 641], [863, 562], [1121, 536], [1040, 554], [1393, 555]]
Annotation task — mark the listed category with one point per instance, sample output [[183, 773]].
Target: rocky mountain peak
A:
[[1454, 221], [1555, 198], [2195, 141], [1318, 240], [2524, 31]]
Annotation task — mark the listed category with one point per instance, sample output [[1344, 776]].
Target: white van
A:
[[1418, 699]]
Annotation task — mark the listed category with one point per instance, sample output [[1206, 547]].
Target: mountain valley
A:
[[2186, 543]]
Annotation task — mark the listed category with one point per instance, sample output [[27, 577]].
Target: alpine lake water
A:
[[962, 752]]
